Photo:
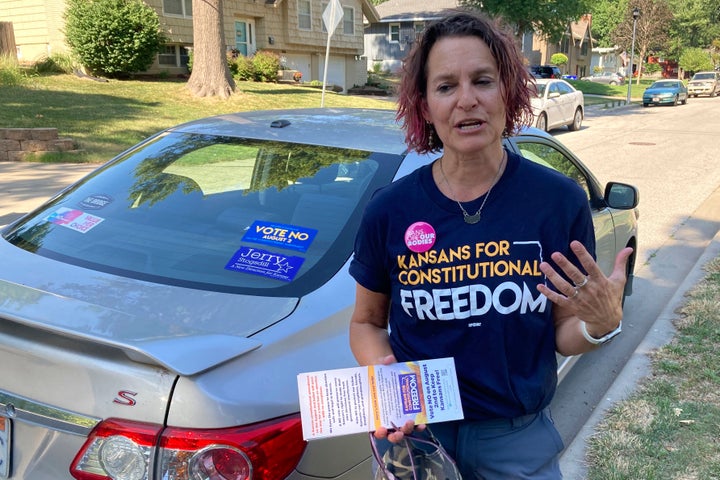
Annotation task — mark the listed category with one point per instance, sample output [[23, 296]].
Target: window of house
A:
[[565, 45], [395, 33], [178, 7], [166, 56], [348, 21], [173, 55], [419, 28], [584, 47], [304, 15]]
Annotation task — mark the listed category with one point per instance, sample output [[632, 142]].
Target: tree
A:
[[650, 31], [210, 75], [695, 60], [606, 16], [113, 37], [696, 23], [549, 18]]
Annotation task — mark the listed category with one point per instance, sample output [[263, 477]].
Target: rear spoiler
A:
[[184, 355]]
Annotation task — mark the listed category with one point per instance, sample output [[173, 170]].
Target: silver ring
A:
[[577, 290], [581, 284]]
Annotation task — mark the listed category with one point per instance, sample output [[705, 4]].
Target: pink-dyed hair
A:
[[514, 76]]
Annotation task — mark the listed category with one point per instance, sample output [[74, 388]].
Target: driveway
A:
[[24, 186]]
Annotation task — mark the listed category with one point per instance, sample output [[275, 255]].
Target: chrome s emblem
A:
[[125, 397]]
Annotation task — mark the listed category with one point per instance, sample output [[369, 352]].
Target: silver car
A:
[[556, 103], [608, 78], [155, 314]]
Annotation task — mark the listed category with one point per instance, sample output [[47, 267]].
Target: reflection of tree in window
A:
[[210, 164], [550, 157]]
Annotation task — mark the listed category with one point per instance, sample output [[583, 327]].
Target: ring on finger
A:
[[577, 290], [581, 284]]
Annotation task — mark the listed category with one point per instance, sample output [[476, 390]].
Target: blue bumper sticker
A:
[[280, 235], [264, 263]]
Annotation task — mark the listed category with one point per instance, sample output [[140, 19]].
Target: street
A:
[[667, 152]]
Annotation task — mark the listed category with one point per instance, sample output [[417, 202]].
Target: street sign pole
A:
[[332, 16]]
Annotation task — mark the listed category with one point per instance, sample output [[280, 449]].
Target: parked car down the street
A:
[[665, 92], [556, 103], [704, 83], [545, 71], [609, 78], [162, 307]]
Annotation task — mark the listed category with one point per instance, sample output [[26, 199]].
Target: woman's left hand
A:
[[592, 297]]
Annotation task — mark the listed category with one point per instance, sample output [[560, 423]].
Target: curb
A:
[[572, 461]]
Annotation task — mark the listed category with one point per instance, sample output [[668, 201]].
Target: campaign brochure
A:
[[362, 399]]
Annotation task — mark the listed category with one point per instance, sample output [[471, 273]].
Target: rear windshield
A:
[[215, 213]]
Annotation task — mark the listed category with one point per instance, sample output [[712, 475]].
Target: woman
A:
[[453, 257]]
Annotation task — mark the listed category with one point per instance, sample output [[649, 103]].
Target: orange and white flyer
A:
[[362, 399]]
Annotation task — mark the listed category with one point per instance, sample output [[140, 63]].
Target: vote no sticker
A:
[[420, 237]]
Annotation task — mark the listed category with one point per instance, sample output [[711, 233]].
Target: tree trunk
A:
[[210, 75], [7, 40]]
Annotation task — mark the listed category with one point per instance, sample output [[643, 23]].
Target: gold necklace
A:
[[475, 218]]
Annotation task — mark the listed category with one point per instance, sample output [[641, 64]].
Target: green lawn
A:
[[105, 118]]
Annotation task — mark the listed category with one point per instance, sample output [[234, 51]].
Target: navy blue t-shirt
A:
[[470, 291]]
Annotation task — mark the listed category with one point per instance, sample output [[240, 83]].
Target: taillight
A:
[[124, 450]]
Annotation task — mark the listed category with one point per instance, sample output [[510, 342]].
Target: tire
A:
[[542, 122], [613, 83], [629, 269], [577, 120], [684, 102], [677, 101], [646, 104]]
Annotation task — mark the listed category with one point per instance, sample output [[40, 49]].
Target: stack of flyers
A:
[[362, 399]]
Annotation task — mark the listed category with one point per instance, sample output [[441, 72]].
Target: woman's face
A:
[[464, 99]]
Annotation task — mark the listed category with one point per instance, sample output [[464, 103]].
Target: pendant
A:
[[472, 219]]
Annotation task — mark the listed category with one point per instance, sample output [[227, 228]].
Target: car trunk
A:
[[78, 346], [54, 389]]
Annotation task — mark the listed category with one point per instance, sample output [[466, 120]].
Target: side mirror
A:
[[621, 196], [553, 95]]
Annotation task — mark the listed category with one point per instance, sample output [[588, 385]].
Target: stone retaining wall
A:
[[17, 143]]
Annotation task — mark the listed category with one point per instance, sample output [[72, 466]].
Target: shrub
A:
[[652, 68], [113, 37], [10, 72], [559, 59], [241, 68], [55, 63], [266, 65]]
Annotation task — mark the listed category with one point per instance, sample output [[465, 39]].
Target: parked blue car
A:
[[665, 92]]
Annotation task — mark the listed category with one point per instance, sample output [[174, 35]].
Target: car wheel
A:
[[646, 104], [677, 101], [684, 102], [577, 120], [629, 268], [613, 83], [542, 122]]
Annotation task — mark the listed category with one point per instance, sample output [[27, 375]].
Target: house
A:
[[576, 44], [388, 40], [609, 59], [293, 29]]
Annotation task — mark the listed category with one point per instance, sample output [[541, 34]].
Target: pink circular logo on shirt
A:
[[420, 237]]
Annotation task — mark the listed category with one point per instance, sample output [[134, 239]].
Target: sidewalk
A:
[[700, 231]]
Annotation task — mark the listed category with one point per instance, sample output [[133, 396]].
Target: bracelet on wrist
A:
[[602, 340]]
